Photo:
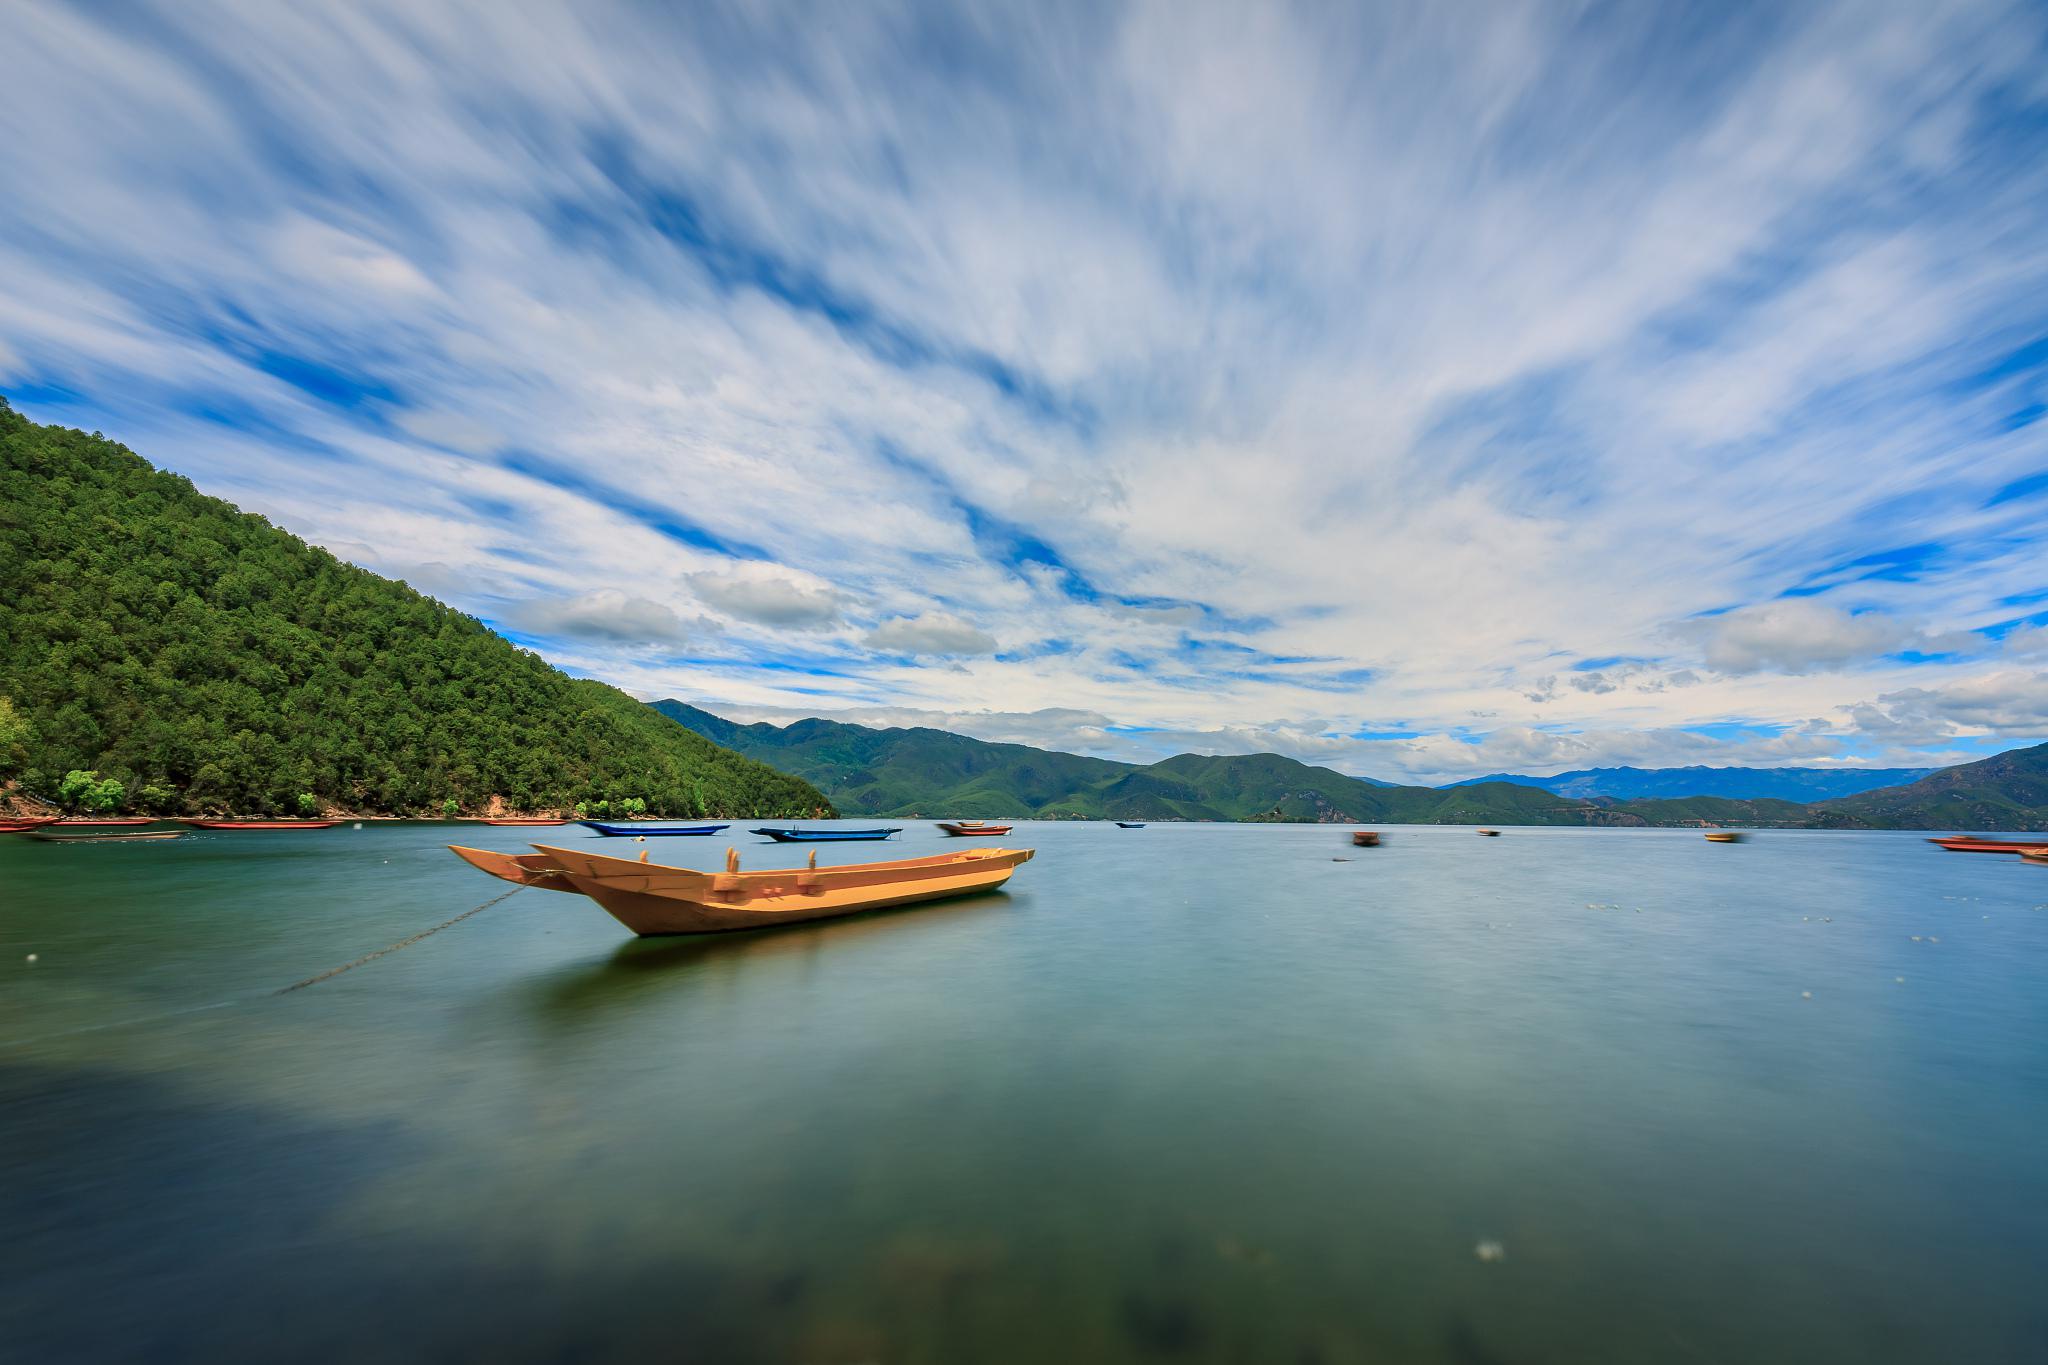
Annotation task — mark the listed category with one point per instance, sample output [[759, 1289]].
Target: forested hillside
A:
[[934, 773], [197, 657], [2008, 791], [911, 772]]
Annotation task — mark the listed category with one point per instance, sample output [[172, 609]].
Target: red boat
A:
[[523, 820], [86, 822], [21, 824], [965, 828], [1969, 843], [258, 824]]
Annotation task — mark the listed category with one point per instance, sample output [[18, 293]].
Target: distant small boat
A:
[[521, 820], [1969, 843], [632, 828], [120, 822], [1724, 836], [1490, 833], [1365, 838], [825, 836], [196, 823], [651, 899], [1130, 824], [22, 824], [962, 828], [50, 836]]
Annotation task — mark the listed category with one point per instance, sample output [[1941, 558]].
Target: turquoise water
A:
[[1188, 1093]]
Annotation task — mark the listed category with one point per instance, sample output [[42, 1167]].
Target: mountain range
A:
[[1742, 784], [911, 772]]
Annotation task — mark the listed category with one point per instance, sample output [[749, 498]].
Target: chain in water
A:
[[405, 943]]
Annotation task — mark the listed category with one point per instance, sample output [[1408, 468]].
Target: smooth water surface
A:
[[1187, 1093]]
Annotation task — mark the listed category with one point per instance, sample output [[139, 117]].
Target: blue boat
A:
[[636, 827], [825, 836]]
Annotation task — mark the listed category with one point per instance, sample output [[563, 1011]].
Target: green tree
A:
[[15, 735], [89, 792]]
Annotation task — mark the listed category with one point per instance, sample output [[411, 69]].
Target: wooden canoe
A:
[[632, 830], [1724, 836], [963, 828], [2036, 855], [1490, 833], [522, 820], [825, 836], [197, 823], [651, 899], [1365, 838], [118, 836], [118, 822], [1968, 843]]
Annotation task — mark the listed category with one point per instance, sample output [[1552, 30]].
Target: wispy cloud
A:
[[964, 359]]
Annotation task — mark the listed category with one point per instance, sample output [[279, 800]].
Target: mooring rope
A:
[[405, 943]]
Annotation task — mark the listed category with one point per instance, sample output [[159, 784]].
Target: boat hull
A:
[[656, 901], [524, 869], [523, 821], [24, 824], [962, 830], [49, 835], [258, 824], [1964, 844], [634, 831], [825, 836]]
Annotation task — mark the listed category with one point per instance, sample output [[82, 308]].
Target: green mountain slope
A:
[[2006, 792], [203, 658], [913, 772]]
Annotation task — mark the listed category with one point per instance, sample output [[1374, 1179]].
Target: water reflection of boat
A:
[[650, 899], [962, 828], [197, 823]]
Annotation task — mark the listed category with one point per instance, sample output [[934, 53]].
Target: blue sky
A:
[[1422, 390]]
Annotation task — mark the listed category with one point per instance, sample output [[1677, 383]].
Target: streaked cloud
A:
[[1272, 375]]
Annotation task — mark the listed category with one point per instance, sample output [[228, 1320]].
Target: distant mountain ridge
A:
[[1740, 784], [908, 773]]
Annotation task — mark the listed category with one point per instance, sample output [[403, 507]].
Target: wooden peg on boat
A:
[[732, 860]]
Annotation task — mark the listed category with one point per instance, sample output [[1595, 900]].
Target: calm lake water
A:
[[1188, 1093]]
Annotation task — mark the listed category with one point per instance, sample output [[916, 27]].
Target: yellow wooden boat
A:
[[652, 899], [1724, 836]]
